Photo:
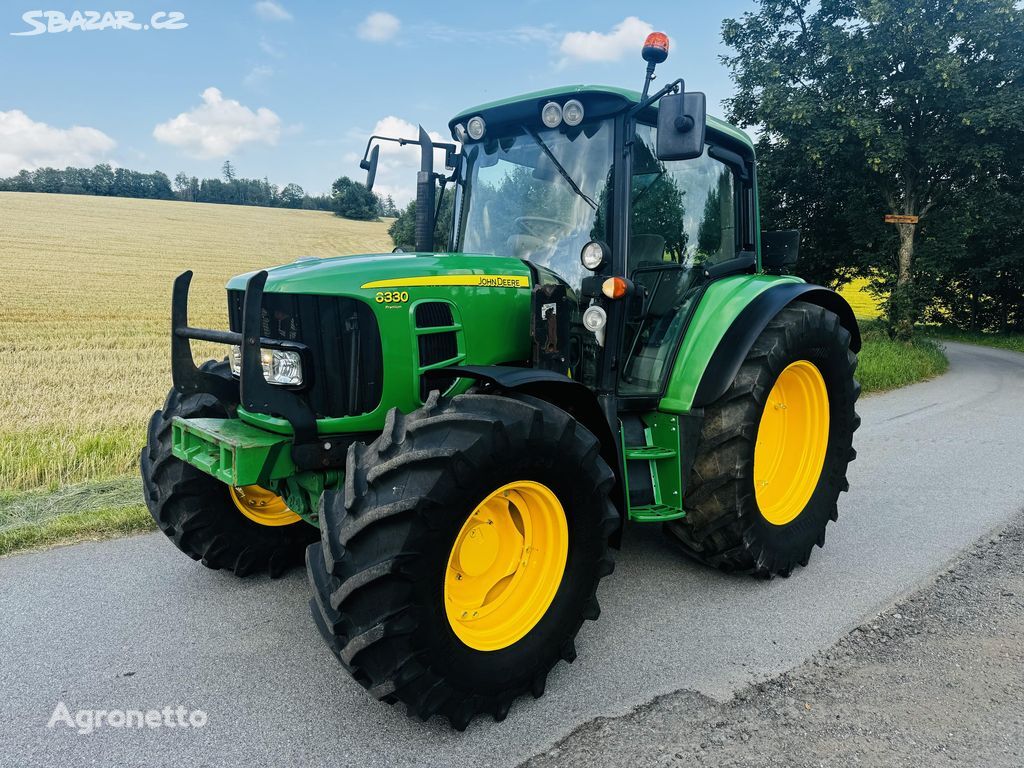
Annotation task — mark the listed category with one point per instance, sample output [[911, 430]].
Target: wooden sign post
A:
[[900, 218]]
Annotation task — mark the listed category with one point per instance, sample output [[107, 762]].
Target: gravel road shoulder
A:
[[937, 679]]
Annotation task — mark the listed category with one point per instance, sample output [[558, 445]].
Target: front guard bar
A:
[[251, 390]]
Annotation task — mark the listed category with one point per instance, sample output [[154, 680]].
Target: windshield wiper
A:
[[646, 189], [558, 166]]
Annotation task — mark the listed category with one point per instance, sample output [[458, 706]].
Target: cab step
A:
[[655, 453], [649, 453], [655, 513]]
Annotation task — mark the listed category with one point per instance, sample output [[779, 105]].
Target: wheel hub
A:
[[506, 565], [262, 506], [792, 438]]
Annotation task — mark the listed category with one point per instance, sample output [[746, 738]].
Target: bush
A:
[[353, 200]]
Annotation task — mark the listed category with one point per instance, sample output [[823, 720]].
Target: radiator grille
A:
[[438, 347], [344, 342], [433, 314]]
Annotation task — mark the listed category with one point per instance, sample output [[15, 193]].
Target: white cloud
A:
[[257, 76], [379, 27], [626, 37], [271, 11], [218, 126], [397, 166], [525, 35], [26, 144], [270, 49]]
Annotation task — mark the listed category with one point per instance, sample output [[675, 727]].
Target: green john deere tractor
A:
[[453, 440]]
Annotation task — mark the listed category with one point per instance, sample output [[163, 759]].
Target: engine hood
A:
[[354, 275]]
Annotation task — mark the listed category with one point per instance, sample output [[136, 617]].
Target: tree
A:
[[403, 228], [181, 185], [102, 179], [160, 186], [353, 200], [388, 207], [46, 180], [228, 171], [22, 182], [907, 100], [291, 196]]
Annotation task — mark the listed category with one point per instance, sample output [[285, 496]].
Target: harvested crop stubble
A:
[[85, 317]]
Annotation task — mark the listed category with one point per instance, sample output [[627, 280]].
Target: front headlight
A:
[[280, 366]]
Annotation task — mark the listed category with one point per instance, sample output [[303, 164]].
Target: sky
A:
[[291, 89]]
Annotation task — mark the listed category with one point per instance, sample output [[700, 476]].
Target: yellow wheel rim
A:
[[791, 442], [506, 565], [262, 506]]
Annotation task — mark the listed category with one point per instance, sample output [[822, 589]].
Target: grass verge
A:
[[86, 511], [887, 364]]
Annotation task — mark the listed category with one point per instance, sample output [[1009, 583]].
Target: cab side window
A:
[[684, 211], [683, 214]]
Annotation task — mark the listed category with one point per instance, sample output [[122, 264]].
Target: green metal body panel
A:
[[232, 451], [491, 314], [722, 302]]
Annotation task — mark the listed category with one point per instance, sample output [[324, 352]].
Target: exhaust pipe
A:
[[425, 195]]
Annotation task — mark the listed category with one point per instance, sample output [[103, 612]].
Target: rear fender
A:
[[731, 315]]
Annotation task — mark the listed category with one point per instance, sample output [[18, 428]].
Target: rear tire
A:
[[195, 510], [724, 525], [379, 575]]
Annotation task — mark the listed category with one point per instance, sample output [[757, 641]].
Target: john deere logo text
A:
[[496, 281]]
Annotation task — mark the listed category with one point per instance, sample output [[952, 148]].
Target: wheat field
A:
[[85, 315]]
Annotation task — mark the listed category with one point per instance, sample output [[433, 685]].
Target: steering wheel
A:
[[543, 228]]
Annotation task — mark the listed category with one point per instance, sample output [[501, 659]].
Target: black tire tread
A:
[[194, 509], [432, 448], [719, 529]]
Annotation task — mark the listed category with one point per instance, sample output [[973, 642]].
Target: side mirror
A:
[[682, 118], [370, 165], [779, 250]]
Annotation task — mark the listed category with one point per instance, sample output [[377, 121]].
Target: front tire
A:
[[398, 578], [774, 449], [245, 531]]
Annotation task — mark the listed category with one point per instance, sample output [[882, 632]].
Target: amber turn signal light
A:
[[616, 287]]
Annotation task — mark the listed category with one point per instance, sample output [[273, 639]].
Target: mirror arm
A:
[[673, 87], [451, 151]]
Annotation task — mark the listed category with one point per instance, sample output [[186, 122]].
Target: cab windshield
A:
[[538, 195]]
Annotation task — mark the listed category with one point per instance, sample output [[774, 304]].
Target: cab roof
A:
[[626, 95]]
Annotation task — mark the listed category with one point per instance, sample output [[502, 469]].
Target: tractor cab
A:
[[622, 204]]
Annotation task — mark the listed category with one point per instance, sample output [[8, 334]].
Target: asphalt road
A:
[[132, 624]]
